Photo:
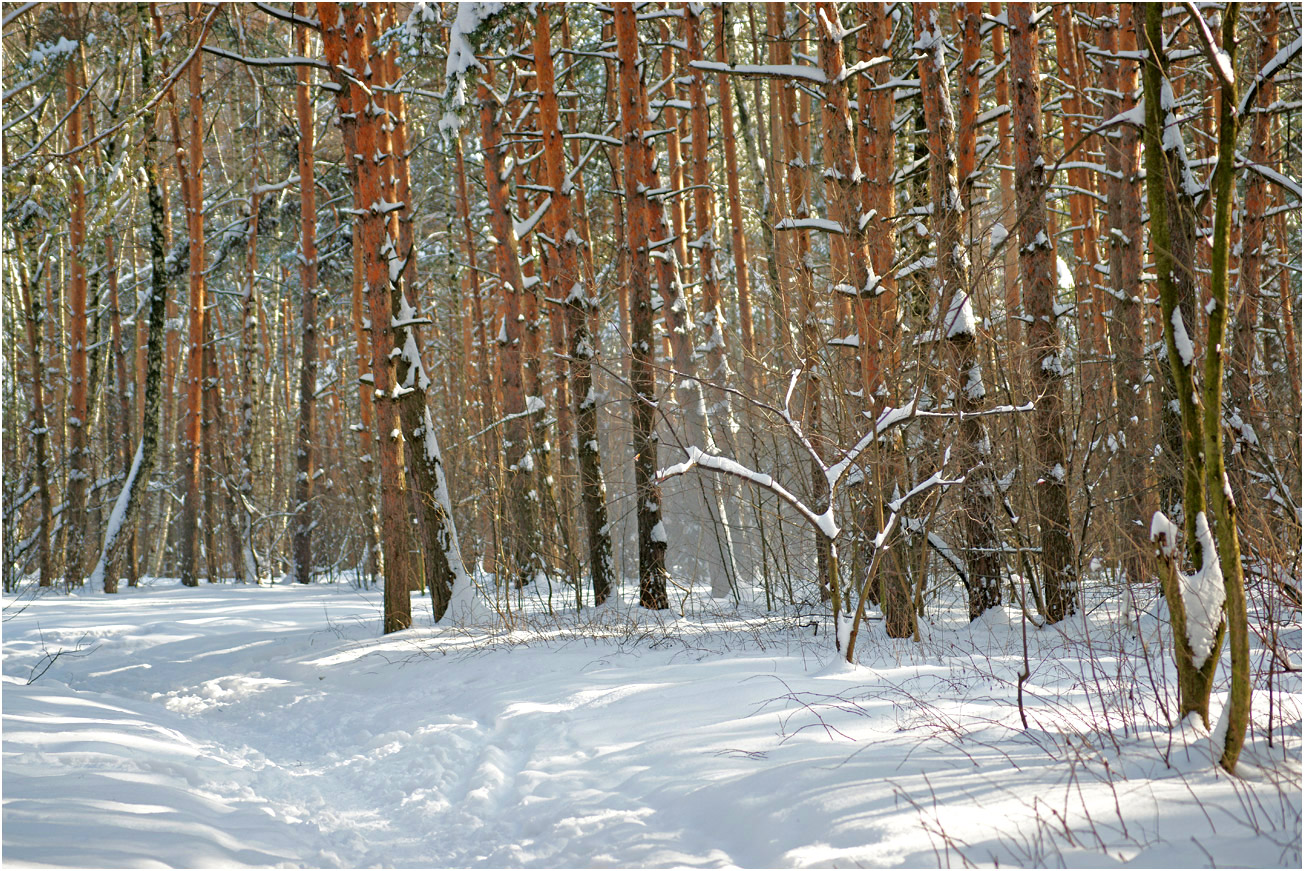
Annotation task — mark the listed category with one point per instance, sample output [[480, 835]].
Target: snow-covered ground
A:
[[252, 726]]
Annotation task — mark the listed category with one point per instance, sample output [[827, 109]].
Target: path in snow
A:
[[227, 726]]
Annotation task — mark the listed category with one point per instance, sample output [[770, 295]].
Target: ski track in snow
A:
[[238, 726]]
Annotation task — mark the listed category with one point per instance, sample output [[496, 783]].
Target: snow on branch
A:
[[269, 9], [768, 71], [1270, 174], [461, 57], [288, 61], [821, 224], [523, 228], [934, 480], [273, 188], [1218, 59], [696, 457], [1274, 66], [14, 15]]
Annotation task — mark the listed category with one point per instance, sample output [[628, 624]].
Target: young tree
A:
[[1206, 604], [127, 508], [33, 305]]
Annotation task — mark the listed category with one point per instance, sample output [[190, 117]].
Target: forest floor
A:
[[251, 726]]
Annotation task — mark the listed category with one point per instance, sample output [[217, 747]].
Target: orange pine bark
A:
[[192, 442], [1245, 346], [349, 32], [305, 449], [959, 322], [1009, 211], [1127, 332], [1091, 305], [78, 412], [1045, 343], [569, 286], [523, 504], [876, 143], [742, 278], [710, 320], [639, 208]]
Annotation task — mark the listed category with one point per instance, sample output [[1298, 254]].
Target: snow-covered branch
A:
[[1274, 66], [696, 457], [767, 71]]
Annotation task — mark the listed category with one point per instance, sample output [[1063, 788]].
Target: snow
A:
[[698, 458], [238, 726], [959, 320], [780, 71], [1183, 342], [1225, 65], [51, 50], [461, 57], [1063, 275], [1278, 61], [523, 228], [116, 518], [1202, 593], [822, 224], [890, 417], [1172, 140], [974, 388]]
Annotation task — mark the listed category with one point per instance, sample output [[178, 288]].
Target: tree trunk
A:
[[1171, 219], [570, 287], [304, 446], [366, 119], [876, 314], [486, 376], [717, 420], [1222, 505], [126, 510], [742, 277], [1241, 379], [33, 304], [1094, 374], [192, 442], [78, 412], [1014, 326], [1127, 333], [959, 323], [248, 363], [1045, 344], [524, 542], [638, 173]]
